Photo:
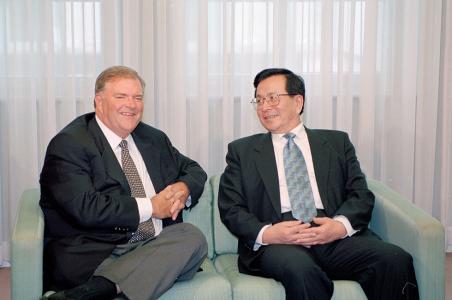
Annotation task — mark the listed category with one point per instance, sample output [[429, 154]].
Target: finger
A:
[[174, 206], [181, 205], [174, 215], [308, 237], [169, 195], [300, 228], [320, 220], [305, 225], [179, 194], [294, 231], [291, 223], [316, 230], [306, 245]]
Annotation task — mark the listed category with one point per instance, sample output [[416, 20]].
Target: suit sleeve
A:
[[75, 187], [190, 172], [233, 203], [358, 200]]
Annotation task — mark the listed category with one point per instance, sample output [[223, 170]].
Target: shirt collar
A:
[[298, 131], [112, 138]]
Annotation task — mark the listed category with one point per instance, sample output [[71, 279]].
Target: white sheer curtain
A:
[[380, 70]]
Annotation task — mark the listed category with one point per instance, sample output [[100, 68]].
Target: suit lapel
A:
[[151, 156], [321, 160], [112, 166], [266, 166]]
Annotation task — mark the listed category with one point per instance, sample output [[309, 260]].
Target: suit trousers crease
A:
[[145, 270], [383, 270]]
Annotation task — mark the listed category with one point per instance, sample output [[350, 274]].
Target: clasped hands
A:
[[303, 234], [170, 201]]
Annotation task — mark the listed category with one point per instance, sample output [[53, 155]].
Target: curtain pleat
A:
[[379, 70]]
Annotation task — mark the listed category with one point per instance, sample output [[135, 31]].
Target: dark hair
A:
[[294, 82]]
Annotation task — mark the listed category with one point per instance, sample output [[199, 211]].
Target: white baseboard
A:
[[4, 253], [449, 239], [4, 264]]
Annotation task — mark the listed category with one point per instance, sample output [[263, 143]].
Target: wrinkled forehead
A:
[[123, 84]]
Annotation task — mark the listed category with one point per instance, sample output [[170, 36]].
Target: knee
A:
[[395, 258], [288, 261], [195, 238], [307, 281], [292, 266], [300, 272]]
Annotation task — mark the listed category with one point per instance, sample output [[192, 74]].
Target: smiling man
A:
[[298, 202], [112, 191]]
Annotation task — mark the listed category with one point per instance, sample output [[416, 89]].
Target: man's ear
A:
[[97, 101], [300, 101]]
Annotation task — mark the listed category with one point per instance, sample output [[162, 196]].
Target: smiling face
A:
[[119, 105], [283, 117]]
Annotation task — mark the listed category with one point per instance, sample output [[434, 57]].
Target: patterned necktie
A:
[[145, 229], [298, 185]]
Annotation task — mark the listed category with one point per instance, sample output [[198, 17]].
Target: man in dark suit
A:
[[111, 186], [258, 195]]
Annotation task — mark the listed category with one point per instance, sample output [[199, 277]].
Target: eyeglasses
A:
[[272, 99]]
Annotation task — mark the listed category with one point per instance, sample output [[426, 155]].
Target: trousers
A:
[[384, 270], [145, 270]]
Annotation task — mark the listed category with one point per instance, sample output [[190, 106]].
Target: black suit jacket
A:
[[249, 196], [86, 199]]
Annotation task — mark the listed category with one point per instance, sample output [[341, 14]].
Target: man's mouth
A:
[[270, 116], [127, 114]]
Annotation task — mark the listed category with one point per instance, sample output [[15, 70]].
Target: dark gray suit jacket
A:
[[249, 196], [86, 199]]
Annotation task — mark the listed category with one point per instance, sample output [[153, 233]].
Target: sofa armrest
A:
[[400, 222], [27, 248]]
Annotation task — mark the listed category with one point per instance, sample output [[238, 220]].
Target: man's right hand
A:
[[161, 203], [287, 232]]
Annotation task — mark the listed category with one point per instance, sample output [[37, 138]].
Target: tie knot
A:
[[289, 136], [123, 144]]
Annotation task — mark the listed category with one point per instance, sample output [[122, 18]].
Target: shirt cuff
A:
[[188, 202], [258, 243], [348, 227], [144, 208]]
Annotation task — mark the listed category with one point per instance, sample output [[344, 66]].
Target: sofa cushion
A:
[[205, 285], [223, 240], [247, 286], [347, 289], [201, 217], [254, 287]]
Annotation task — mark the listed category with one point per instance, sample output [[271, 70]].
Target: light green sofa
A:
[[394, 219]]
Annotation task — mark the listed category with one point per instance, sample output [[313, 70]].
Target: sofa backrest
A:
[[224, 241]]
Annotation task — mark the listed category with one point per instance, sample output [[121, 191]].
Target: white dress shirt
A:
[[144, 204], [301, 140]]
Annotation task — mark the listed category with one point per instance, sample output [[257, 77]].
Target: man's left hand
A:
[[179, 198], [328, 231]]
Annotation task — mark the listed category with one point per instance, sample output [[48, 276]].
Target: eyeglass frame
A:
[[264, 100]]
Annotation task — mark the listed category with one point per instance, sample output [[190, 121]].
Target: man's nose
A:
[[131, 102]]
